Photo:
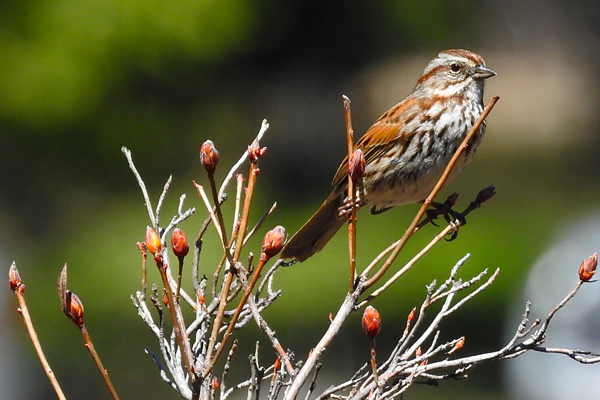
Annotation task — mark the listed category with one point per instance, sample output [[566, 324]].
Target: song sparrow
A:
[[408, 147]]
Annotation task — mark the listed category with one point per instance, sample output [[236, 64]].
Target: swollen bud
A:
[[153, 241], [418, 352], [73, 308], [209, 156], [356, 165], [587, 269], [371, 322], [276, 365], [273, 241], [179, 243], [14, 279], [486, 193], [411, 315]]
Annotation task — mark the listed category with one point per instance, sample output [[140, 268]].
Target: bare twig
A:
[[351, 195], [263, 129], [18, 289], [140, 181]]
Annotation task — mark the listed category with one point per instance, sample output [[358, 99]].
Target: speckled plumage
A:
[[407, 149]]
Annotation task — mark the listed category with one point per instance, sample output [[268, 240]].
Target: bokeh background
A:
[[78, 80]]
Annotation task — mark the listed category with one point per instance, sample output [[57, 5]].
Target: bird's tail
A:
[[317, 232]]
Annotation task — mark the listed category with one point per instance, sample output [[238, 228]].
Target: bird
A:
[[407, 149]]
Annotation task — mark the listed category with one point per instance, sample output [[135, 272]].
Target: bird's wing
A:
[[386, 132]]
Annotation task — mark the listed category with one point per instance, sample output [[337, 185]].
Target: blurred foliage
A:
[[81, 79]]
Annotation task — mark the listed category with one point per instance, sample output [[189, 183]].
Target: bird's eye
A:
[[455, 67]]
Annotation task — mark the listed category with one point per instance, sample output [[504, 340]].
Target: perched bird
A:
[[407, 149]]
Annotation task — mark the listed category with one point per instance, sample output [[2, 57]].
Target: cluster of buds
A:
[[255, 152], [587, 269], [179, 244], [209, 156], [356, 165], [273, 242], [371, 322]]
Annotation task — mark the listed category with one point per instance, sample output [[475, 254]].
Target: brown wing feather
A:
[[380, 136]]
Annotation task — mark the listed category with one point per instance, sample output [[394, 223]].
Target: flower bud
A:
[[371, 322], [209, 156], [276, 365], [14, 279], [411, 315], [587, 269], [165, 299], [179, 243], [153, 243], [356, 165], [74, 308], [418, 352], [486, 193], [215, 383], [273, 241], [255, 151], [458, 345]]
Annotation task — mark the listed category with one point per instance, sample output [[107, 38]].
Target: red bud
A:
[[165, 299], [273, 241], [179, 243], [153, 241], [418, 352], [209, 156], [215, 384], [458, 345], [587, 269], [14, 279], [356, 165], [74, 308], [371, 322], [411, 315], [276, 365]]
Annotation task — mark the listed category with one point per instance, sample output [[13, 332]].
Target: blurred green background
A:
[[78, 80]]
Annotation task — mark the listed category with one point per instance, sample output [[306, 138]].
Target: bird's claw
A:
[[346, 208]]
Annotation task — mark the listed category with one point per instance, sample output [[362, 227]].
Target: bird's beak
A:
[[481, 72]]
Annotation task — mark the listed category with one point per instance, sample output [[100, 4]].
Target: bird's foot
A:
[[346, 208], [451, 216]]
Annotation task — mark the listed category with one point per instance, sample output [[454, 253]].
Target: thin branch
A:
[[18, 289], [260, 222], [161, 199], [408, 265], [140, 181], [263, 129], [90, 346], [351, 195]]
